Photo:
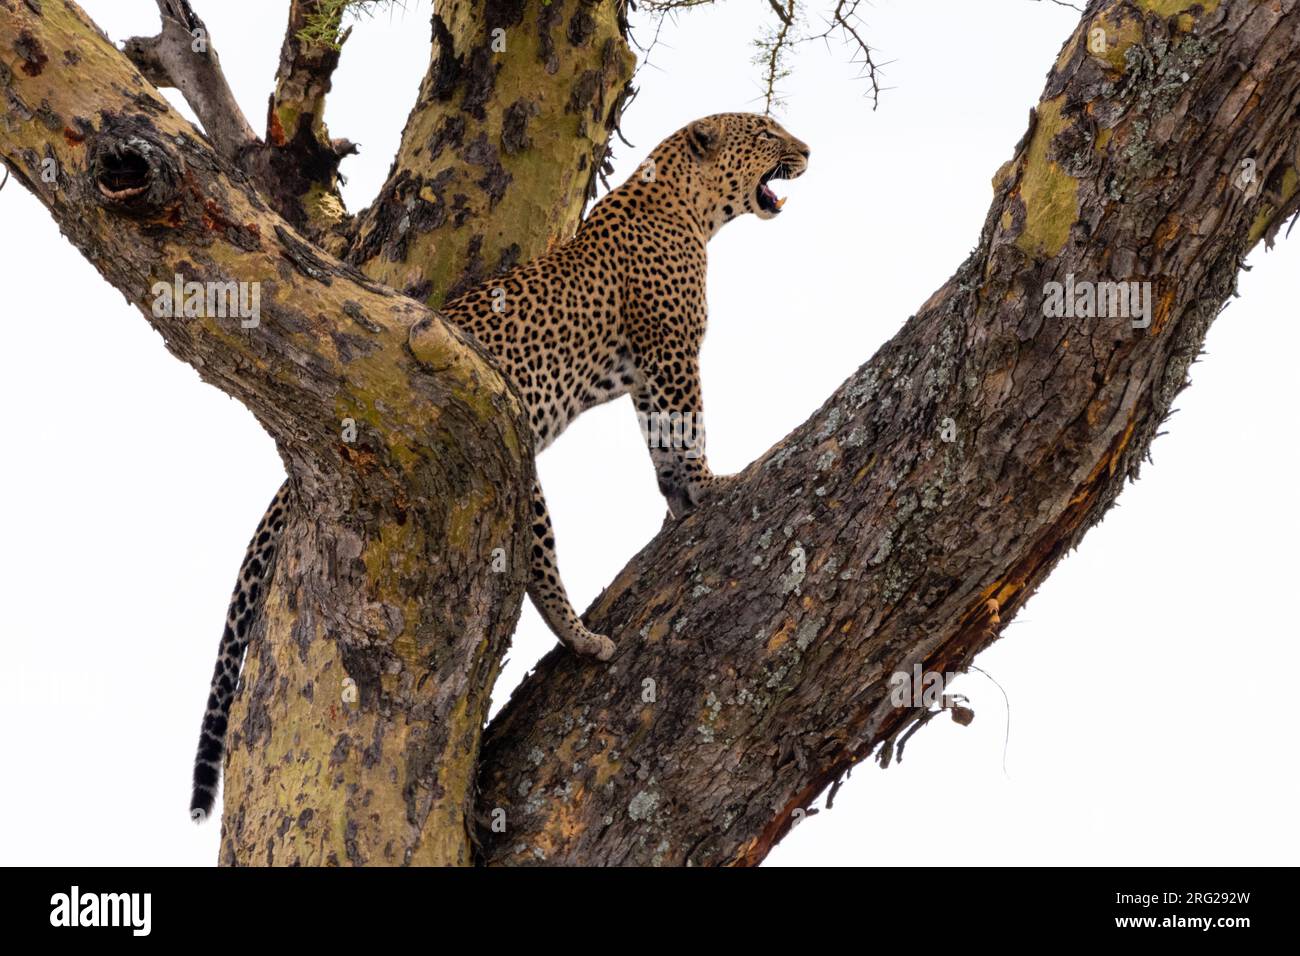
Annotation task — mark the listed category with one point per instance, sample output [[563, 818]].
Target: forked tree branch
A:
[[295, 165]]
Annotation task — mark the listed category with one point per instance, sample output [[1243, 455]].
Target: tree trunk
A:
[[357, 736], [901, 526]]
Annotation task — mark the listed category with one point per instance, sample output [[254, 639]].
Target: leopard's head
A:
[[739, 155]]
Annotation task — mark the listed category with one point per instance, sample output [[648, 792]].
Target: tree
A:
[[901, 526]]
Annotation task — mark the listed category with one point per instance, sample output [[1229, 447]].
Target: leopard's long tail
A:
[[246, 605]]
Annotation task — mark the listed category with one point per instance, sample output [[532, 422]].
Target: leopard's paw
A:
[[713, 487], [684, 498], [590, 644]]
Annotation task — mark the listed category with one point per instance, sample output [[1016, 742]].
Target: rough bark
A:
[[770, 621], [381, 578]]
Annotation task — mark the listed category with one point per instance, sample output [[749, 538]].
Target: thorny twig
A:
[[785, 15], [774, 46], [772, 51], [845, 21]]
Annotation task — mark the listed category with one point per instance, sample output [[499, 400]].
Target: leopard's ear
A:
[[704, 137]]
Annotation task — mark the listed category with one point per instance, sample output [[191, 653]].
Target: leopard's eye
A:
[[767, 134]]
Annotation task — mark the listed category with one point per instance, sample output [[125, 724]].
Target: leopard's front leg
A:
[[547, 590], [671, 414]]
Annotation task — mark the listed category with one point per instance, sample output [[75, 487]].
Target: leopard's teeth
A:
[[780, 202]]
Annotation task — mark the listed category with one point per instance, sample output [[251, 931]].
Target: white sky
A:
[[1145, 725]]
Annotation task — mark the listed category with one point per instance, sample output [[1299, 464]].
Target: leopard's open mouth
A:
[[767, 200]]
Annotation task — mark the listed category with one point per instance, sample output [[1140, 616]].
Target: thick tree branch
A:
[[408, 453], [917, 511], [504, 145]]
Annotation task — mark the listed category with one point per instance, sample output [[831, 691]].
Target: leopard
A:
[[617, 309]]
